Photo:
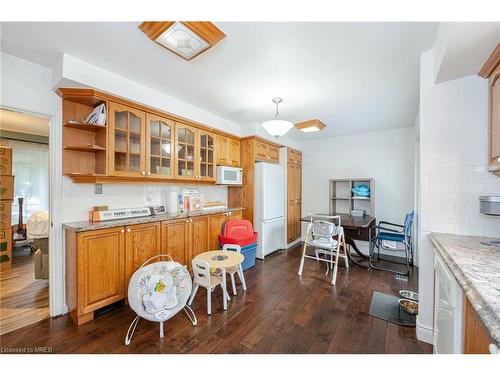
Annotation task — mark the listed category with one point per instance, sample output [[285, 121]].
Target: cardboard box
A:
[[5, 160], [5, 249], [6, 188], [5, 214]]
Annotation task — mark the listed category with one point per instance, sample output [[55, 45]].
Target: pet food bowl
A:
[[408, 294], [411, 307]]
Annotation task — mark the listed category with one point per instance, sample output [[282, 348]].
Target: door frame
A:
[[56, 253]]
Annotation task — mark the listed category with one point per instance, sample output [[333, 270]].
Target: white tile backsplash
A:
[[78, 199], [450, 200]]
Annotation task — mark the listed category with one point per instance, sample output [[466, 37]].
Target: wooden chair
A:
[[203, 277], [326, 238], [235, 270]]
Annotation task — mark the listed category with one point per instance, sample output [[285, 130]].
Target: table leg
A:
[[352, 244], [224, 290]]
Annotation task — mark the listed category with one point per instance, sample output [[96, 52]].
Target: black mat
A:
[[386, 307]]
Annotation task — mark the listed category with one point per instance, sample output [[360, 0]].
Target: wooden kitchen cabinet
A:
[[160, 133], [206, 155], [491, 71], [294, 194], [216, 222], [199, 235], [95, 271], [228, 151], [266, 151], [174, 240], [142, 241], [476, 338], [127, 154]]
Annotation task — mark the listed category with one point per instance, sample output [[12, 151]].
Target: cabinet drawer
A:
[[274, 153]]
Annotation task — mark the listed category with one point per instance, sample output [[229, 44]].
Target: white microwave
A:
[[229, 176]]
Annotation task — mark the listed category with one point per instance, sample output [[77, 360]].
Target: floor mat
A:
[[386, 307]]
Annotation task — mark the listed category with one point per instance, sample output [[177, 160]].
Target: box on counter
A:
[[5, 249], [6, 188], [5, 214], [5, 160]]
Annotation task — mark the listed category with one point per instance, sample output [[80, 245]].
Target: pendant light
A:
[[278, 126]]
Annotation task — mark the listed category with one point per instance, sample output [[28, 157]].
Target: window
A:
[[30, 166]]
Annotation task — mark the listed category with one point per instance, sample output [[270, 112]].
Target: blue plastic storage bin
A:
[[249, 252]]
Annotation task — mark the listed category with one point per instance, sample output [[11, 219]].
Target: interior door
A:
[[159, 146], [186, 149], [126, 141]]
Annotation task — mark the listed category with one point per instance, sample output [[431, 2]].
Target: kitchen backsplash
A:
[[78, 199], [450, 200]]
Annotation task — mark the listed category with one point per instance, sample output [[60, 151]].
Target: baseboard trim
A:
[[424, 333]]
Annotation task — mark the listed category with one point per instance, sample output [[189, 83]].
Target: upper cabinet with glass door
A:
[[159, 145], [186, 146], [126, 141], [206, 155]]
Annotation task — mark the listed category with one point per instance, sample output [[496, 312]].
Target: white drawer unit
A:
[[448, 310]]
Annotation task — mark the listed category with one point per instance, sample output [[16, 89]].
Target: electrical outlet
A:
[[97, 188]]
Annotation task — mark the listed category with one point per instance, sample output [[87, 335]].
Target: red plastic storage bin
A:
[[237, 232]]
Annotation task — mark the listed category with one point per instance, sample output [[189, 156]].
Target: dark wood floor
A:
[[280, 313]]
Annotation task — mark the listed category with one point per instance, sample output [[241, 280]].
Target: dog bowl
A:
[[411, 307], [408, 294]]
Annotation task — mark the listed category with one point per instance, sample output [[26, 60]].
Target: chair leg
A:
[[334, 276], [209, 301], [242, 277], [317, 257], [302, 259], [193, 293], [233, 284], [346, 258]]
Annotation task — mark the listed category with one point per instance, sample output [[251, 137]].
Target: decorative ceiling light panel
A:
[[186, 39], [310, 126]]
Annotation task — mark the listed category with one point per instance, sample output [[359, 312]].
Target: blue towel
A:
[[361, 190]]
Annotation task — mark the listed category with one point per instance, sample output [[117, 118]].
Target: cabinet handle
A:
[[149, 173], [230, 213], [143, 173], [187, 220], [122, 231], [128, 230]]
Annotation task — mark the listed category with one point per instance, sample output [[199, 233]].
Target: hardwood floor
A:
[[23, 299], [280, 313]]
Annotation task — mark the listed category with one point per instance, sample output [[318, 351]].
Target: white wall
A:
[[453, 167], [27, 87], [387, 156]]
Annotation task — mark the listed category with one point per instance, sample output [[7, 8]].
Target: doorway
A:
[[24, 275]]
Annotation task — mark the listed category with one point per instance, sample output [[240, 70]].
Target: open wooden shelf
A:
[[103, 179], [87, 148], [86, 127]]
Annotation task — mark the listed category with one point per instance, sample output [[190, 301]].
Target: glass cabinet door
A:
[[186, 150], [127, 138], [207, 163], [159, 144]]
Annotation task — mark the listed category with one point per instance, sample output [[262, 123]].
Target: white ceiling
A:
[[23, 123], [355, 77]]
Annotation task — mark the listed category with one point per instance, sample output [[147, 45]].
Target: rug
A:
[[386, 307]]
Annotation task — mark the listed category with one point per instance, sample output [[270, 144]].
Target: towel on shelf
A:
[[361, 190]]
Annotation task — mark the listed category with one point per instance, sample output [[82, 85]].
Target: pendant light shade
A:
[[278, 126]]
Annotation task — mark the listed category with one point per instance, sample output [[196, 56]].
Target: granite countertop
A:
[[83, 226], [477, 269]]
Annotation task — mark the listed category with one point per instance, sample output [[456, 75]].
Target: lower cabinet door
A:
[[236, 215], [174, 240], [199, 235], [291, 220], [216, 222], [101, 268], [298, 223], [142, 242]]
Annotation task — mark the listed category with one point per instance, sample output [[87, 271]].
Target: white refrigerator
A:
[[269, 208]]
